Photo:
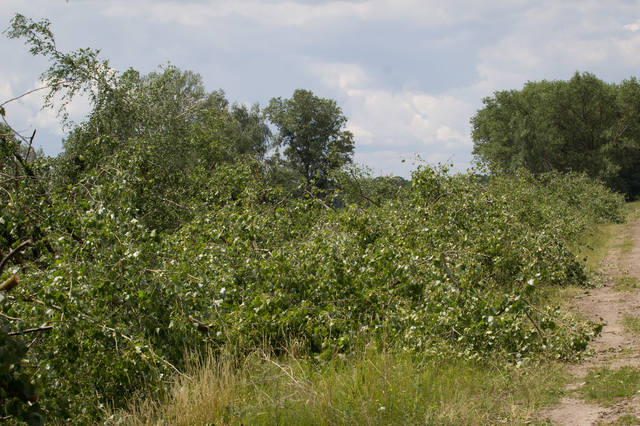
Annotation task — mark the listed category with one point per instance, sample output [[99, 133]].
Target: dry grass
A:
[[374, 388]]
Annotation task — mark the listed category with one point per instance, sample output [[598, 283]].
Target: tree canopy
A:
[[583, 124], [311, 130]]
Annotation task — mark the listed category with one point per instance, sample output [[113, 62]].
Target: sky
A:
[[408, 74]]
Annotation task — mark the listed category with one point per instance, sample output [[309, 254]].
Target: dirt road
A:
[[617, 299]]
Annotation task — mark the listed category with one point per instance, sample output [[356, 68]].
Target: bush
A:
[[454, 267]]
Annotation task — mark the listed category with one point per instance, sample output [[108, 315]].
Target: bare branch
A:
[[20, 247], [48, 86], [30, 330], [449, 273], [10, 283]]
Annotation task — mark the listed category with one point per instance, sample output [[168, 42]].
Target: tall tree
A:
[[311, 130], [583, 124]]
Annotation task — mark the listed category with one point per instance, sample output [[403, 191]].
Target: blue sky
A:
[[408, 74]]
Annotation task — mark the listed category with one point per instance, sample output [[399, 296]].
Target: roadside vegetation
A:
[[368, 387], [178, 259]]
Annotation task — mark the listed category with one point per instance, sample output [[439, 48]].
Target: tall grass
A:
[[371, 388]]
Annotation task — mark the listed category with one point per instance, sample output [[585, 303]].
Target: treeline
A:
[[174, 222], [580, 125]]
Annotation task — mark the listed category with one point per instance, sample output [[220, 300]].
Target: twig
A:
[[201, 326], [30, 330], [534, 324], [33, 135], [36, 90], [173, 367], [9, 318], [33, 341], [317, 199], [375, 203], [20, 247]]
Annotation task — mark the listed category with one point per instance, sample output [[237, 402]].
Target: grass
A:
[[599, 241], [626, 283], [597, 244], [627, 419], [373, 388], [633, 213], [605, 386], [626, 245], [631, 324]]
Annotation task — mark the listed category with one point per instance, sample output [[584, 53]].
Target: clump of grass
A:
[[626, 283], [627, 419], [626, 245], [631, 324], [632, 214], [596, 243], [373, 388], [632, 211], [605, 386]]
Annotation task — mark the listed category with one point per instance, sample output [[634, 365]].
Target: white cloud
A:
[[7, 81], [633, 27], [395, 125], [384, 162], [555, 39], [197, 14], [343, 76]]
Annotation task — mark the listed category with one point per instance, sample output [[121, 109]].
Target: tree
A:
[[583, 125], [311, 130]]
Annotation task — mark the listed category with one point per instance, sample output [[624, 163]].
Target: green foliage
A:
[[161, 136], [580, 125], [312, 131], [453, 268]]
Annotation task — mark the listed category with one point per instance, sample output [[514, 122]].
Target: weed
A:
[[604, 385]]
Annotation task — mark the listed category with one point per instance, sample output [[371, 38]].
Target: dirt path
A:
[[614, 348]]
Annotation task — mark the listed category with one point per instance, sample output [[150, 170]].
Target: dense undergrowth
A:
[[450, 267]]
